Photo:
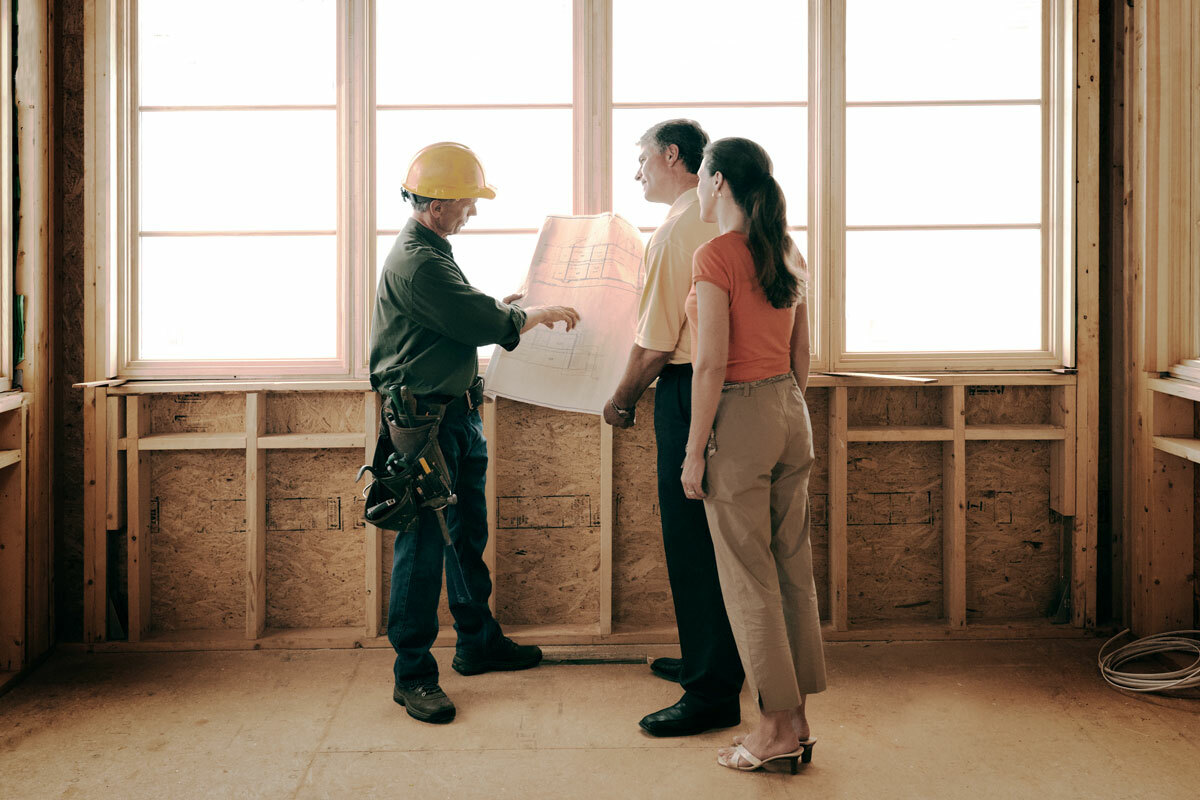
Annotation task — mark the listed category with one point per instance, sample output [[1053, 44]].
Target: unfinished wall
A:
[[548, 537], [197, 540], [314, 539], [548, 515]]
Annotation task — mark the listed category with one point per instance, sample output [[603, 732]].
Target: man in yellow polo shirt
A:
[[710, 670]]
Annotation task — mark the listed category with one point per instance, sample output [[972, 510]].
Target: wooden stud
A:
[[97, 531], [256, 517], [607, 512], [373, 536], [137, 465], [94, 558], [1062, 453], [954, 509], [34, 94], [488, 415], [115, 478], [838, 591], [1087, 312]]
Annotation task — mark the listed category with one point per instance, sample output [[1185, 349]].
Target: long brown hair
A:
[[746, 168]]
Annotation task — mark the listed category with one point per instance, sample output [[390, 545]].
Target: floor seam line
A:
[[328, 724]]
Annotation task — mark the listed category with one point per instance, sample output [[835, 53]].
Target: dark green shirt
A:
[[429, 320]]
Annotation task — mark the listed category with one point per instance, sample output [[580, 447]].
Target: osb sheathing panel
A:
[[894, 531], [314, 539], [197, 540], [880, 405], [68, 313], [641, 590], [198, 412], [1013, 542], [1008, 405], [314, 412], [548, 515]]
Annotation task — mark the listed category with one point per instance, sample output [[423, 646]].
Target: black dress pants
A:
[[712, 670]]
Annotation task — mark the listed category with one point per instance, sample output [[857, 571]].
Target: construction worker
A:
[[710, 671], [427, 325]]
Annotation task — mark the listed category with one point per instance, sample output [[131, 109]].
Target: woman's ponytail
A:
[[747, 169]]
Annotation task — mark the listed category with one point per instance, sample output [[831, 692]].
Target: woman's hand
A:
[[693, 475]]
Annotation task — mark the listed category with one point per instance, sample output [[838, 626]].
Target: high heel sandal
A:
[[803, 755]]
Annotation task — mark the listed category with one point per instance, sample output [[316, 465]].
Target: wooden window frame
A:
[[7, 266], [1057, 215], [112, 132]]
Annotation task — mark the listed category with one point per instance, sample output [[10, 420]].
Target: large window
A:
[[920, 146]]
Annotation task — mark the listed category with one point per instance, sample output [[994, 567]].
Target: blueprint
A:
[[593, 264]]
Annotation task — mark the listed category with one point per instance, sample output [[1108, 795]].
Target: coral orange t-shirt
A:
[[760, 335]]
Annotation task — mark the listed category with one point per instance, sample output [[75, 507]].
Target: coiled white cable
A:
[[1170, 642]]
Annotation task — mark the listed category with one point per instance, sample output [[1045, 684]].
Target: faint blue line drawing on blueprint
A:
[[580, 264], [558, 350]]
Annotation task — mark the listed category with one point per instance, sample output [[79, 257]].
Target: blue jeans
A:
[[418, 561]]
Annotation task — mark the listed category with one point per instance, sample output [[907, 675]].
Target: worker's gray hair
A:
[[418, 202], [686, 134]]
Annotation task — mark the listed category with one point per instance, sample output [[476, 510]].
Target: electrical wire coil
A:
[[1170, 642]]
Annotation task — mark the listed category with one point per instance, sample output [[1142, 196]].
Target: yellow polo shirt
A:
[[662, 322]]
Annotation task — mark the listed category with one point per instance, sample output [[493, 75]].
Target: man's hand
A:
[[616, 420], [512, 298], [548, 315], [692, 477]]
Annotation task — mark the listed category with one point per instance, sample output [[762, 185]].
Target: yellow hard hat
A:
[[447, 171]]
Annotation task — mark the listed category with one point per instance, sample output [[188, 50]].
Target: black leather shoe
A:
[[667, 668], [424, 700], [691, 716], [504, 655]]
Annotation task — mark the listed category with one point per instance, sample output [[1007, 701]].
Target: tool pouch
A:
[[409, 468]]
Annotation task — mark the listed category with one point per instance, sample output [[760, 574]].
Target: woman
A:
[[748, 316]]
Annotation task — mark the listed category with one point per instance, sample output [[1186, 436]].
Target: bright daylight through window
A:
[[250, 247]]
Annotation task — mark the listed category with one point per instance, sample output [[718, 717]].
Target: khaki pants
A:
[[759, 461]]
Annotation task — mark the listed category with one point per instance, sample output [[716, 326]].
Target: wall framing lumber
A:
[[536, 523], [372, 535], [838, 599], [1087, 311], [256, 518], [137, 465], [34, 98], [954, 513], [1162, 91]]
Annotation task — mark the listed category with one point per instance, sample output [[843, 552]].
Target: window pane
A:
[[782, 131], [496, 264], [233, 52], [482, 51], [238, 170], [940, 166], [238, 297], [706, 50], [943, 290], [526, 155], [943, 50]]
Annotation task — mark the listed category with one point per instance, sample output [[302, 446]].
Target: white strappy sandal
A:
[[752, 762]]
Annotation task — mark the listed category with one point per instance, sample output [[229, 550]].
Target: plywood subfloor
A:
[[984, 720]]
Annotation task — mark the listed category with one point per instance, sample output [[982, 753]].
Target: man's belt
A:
[[463, 403]]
